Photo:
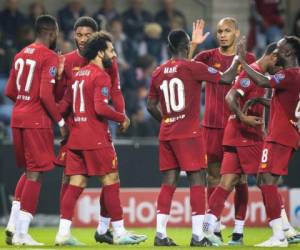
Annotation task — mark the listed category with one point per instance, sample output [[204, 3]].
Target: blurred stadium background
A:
[[140, 41]]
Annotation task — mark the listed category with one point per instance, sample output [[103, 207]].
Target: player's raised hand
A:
[[124, 125], [241, 49], [61, 66], [251, 120], [197, 35]]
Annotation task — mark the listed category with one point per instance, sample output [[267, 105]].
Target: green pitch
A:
[[182, 237]]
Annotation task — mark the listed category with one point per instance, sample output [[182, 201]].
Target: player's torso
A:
[[238, 133], [88, 131], [74, 62], [28, 110], [285, 113], [179, 96]]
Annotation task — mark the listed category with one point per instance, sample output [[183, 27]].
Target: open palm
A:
[[197, 35]]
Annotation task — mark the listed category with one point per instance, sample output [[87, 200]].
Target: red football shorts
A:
[[241, 160], [34, 148], [187, 154], [213, 139], [62, 156], [96, 162], [275, 158]]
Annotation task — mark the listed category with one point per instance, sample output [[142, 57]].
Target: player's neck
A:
[[228, 51], [261, 63], [42, 41], [98, 63], [291, 64]]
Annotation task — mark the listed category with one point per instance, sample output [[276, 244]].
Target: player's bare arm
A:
[[257, 100], [229, 75], [232, 99], [258, 78], [197, 36], [152, 107]]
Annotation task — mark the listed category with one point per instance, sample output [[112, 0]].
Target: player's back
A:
[[34, 65], [89, 131], [285, 107], [179, 95]]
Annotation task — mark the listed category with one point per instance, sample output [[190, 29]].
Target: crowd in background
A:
[[139, 40]]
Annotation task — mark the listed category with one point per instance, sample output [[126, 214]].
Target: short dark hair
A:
[[45, 23], [178, 40], [97, 42], [270, 48], [86, 21], [294, 42]]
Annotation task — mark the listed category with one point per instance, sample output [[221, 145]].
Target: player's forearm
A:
[[104, 110], [258, 78], [232, 102], [263, 101], [118, 100], [229, 75], [154, 110], [193, 48], [47, 99]]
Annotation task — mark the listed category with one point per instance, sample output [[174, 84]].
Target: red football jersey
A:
[[237, 133], [88, 98], [30, 85], [177, 85], [216, 110], [73, 62], [285, 108]]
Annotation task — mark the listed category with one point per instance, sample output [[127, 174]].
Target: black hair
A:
[[86, 21], [294, 42], [45, 23], [270, 48], [178, 40], [97, 42]]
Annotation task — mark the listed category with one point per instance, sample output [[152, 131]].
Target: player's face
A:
[[109, 55], [227, 34], [281, 51], [53, 39], [81, 36], [272, 64]]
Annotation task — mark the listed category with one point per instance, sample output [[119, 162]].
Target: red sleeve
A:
[[66, 102], [250, 58], [116, 93], [153, 93], [202, 57], [11, 90], [60, 88], [243, 83], [202, 72], [101, 96], [281, 80], [48, 72]]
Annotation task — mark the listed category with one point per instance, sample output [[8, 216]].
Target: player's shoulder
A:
[[250, 57], [205, 54], [72, 55]]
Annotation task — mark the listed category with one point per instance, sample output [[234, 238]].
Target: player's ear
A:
[[100, 54]]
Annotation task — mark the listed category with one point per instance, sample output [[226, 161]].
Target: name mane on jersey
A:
[[170, 70], [84, 72]]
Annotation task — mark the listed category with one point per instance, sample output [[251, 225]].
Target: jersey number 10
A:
[[170, 89]]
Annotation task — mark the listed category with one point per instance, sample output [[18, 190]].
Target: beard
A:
[[53, 45], [107, 62], [280, 62]]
